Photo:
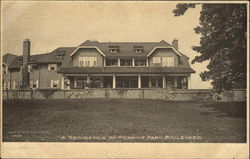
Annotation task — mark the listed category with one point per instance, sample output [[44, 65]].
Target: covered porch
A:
[[116, 80]]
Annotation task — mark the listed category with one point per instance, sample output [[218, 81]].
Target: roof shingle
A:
[[44, 58]]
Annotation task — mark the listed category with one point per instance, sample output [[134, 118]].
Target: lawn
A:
[[123, 120]]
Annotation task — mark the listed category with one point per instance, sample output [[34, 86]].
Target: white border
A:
[[133, 150]]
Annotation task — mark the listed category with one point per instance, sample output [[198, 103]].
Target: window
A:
[[5, 69], [170, 81], [156, 82], [156, 59], [126, 62], [54, 83], [96, 82], [29, 68], [60, 54], [87, 61], [168, 61], [6, 85], [140, 62], [126, 82], [138, 49], [33, 83], [111, 62], [114, 49], [80, 82], [21, 69], [14, 85], [182, 82], [52, 67]]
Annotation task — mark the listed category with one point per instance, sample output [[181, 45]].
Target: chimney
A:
[[175, 44], [26, 56]]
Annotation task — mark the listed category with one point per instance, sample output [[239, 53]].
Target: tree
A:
[[223, 30]]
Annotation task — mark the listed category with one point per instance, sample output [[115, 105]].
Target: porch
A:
[[85, 81]]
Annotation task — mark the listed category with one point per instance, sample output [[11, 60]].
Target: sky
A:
[[54, 24]]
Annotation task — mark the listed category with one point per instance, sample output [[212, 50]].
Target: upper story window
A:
[[114, 49], [168, 61], [60, 54], [125, 62], [5, 69], [29, 68], [111, 62], [140, 62], [21, 69], [156, 59], [138, 49], [6, 85], [52, 67], [14, 85], [87, 61]]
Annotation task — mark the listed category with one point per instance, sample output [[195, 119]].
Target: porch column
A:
[[133, 61], [114, 81], [149, 82], [101, 82], [163, 81], [175, 82], [119, 62], [189, 81], [62, 83], [104, 62], [88, 78], [74, 82], [139, 80], [147, 62]]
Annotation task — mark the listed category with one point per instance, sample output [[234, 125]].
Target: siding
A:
[[16, 76], [44, 76]]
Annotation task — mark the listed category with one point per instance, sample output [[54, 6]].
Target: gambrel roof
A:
[[126, 49]]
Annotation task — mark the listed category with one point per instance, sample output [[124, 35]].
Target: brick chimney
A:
[[26, 56], [175, 44]]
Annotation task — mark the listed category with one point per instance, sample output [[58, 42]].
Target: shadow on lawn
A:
[[227, 109]]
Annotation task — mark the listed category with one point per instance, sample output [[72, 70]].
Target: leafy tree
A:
[[223, 30]]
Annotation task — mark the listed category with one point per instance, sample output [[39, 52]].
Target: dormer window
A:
[[113, 49], [60, 54], [52, 67], [138, 49]]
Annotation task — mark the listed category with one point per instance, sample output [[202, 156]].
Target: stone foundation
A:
[[165, 94]]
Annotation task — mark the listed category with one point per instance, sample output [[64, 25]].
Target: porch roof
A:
[[75, 70]]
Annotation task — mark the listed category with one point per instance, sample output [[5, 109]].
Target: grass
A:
[[123, 120]]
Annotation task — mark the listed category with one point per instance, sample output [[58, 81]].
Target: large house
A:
[[96, 64]]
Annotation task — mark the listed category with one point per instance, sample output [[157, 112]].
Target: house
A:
[[96, 64]]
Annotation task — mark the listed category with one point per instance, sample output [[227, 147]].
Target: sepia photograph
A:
[[127, 72]]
